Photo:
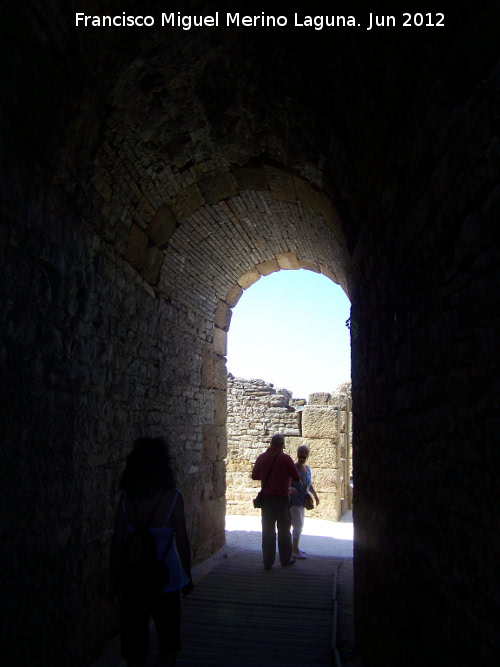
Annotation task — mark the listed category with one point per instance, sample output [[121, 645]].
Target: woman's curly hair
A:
[[148, 468]]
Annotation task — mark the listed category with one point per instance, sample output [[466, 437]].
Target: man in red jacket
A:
[[276, 469]]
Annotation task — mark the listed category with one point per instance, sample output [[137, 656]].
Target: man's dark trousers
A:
[[276, 511]]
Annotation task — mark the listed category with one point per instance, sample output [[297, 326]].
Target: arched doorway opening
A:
[[289, 328], [289, 372], [209, 260]]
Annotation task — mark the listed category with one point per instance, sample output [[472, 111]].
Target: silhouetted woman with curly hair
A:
[[150, 498]]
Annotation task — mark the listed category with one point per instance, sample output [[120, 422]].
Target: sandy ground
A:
[[319, 537]]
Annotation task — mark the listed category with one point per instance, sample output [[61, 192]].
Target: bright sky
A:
[[289, 329]]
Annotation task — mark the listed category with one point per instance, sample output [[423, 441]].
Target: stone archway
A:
[[129, 155], [219, 250]]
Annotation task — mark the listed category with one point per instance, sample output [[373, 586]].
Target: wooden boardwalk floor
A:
[[242, 615]]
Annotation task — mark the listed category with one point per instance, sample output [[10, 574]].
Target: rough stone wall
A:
[[425, 398], [256, 410], [327, 431], [147, 181], [97, 360]]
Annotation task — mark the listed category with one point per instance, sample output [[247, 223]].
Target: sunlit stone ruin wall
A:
[[149, 178], [257, 410]]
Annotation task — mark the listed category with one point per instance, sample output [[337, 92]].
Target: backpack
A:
[[142, 572]]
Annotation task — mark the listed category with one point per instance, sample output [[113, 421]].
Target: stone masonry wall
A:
[[97, 360], [256, 410], [147, 183]]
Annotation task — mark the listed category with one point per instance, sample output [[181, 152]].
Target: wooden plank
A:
[[242, 615]]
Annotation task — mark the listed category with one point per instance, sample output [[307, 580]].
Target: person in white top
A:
[[301, 488]]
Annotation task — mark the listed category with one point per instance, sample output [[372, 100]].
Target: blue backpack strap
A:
[[172, 507]]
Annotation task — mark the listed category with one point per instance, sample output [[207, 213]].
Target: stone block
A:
[[220, 341], [332, 219], [321, 203], [213, 370], [214, 443], [187, 202], [161, 226], [220, 407], [277, 401], [320, 421], [142, 197], [309, 194], [249, 278], [137, 247], [217, 185], [205, 531], [326, 479], [323, 453], [288, 260], [266, 268], [290, 430], [219, 479], [340, 400], [309, 266], [223, 315], [249, 178], [238, 466], [234, 295], [281, 184], [152, 267], [319, 398]]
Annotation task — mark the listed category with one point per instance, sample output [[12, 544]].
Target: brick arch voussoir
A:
[[143, 248]]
